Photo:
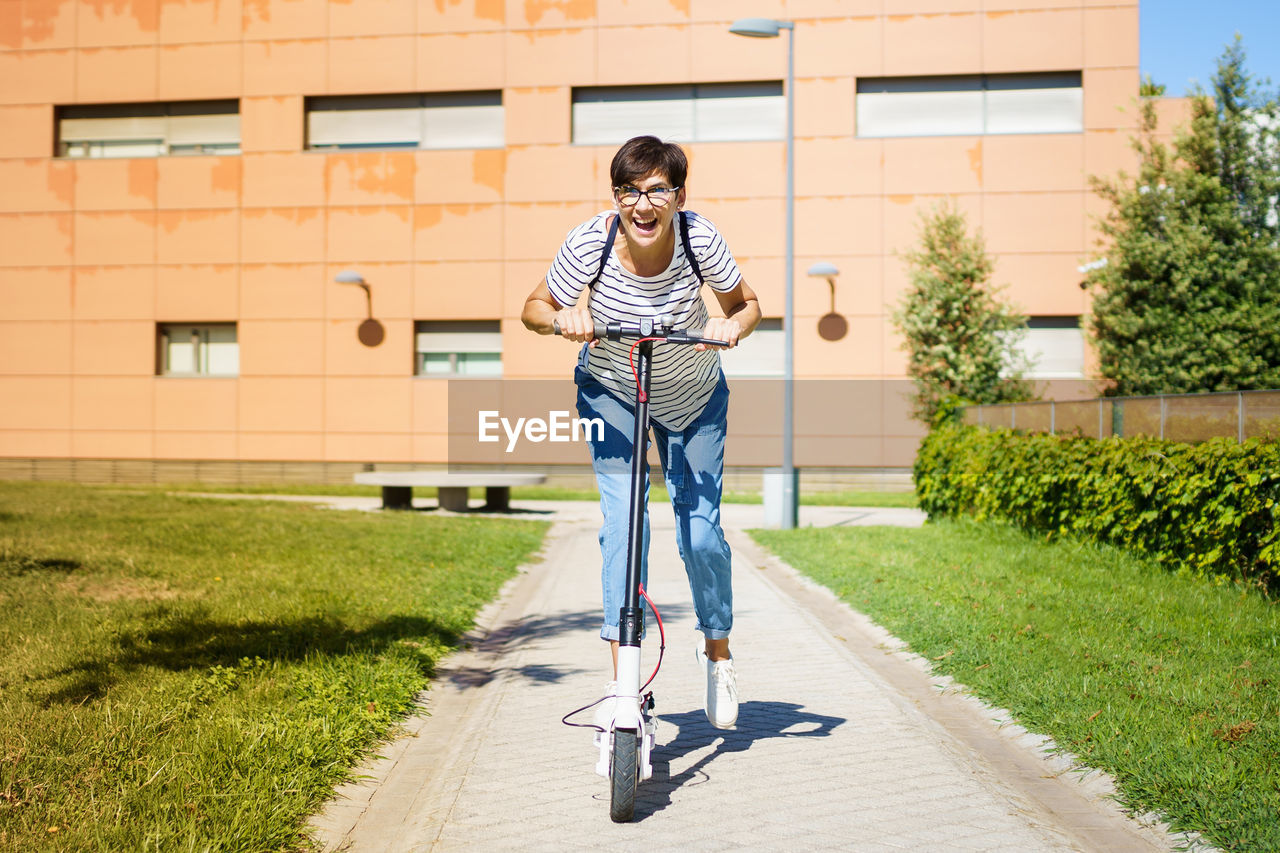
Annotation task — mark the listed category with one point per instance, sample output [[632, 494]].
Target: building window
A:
[[457, 348], [149, 130], [970, 105], [1054, 347], [197, 349], [719, 112], [762, 354], [450, 120]]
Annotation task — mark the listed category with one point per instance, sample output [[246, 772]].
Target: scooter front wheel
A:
[[624, 773]]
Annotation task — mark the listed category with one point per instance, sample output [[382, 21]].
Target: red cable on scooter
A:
[[631, 361], [662, 637], [662, 647]]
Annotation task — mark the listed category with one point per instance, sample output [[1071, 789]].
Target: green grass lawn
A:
[[658, 492], [1169, 683], [189, 674]]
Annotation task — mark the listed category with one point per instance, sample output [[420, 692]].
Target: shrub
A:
[[1210, 508]]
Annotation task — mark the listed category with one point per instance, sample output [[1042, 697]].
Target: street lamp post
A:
[[770, 28]]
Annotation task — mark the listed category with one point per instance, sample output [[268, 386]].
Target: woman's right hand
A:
[[575, 324]]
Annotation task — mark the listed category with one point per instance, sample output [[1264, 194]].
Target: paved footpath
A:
[[843, 742]]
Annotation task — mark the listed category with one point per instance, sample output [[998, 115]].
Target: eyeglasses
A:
[[658, 196]]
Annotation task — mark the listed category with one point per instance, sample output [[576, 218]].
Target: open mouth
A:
[[646, 227]]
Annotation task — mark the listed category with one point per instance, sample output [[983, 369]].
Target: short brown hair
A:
[[644, 155]]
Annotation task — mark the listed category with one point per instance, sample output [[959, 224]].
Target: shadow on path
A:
[[527, 631], [756, 721]]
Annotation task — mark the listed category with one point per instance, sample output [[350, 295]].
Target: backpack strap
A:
[[604, 256], [684, 241], [688, 247]]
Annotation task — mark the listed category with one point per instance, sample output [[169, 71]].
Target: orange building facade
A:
[[129, 265]]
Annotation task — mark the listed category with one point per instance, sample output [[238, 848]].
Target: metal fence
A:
[[1176, 417]]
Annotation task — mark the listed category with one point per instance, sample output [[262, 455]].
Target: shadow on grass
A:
[[199, 642], [17, 565]]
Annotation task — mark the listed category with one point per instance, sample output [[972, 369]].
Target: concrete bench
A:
[[397, 487]]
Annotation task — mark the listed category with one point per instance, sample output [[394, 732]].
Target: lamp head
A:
[[822, 269], [349, 277], [760, 28]]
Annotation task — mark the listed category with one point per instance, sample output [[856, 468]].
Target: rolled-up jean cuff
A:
[[712, 634]]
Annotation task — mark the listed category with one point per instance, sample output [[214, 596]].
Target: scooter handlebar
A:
[[646, 329]]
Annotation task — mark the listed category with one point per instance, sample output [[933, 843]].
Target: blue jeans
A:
[[693, 463]]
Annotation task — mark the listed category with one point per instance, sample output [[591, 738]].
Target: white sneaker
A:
[[721, 700], [607, 707]]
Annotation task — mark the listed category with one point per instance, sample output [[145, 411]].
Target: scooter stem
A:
[[626, 712], [631, 617]]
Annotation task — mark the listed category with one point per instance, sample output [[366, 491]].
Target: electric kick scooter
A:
[[626, 747]]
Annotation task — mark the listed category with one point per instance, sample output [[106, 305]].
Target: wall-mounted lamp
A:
[[831, 326], [370, 332], [1100, 263]]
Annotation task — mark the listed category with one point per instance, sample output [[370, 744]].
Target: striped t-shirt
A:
[[683, 378]]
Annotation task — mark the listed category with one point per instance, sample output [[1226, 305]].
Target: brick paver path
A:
[[836, 748]]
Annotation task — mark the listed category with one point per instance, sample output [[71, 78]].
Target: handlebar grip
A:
[[599, 330]]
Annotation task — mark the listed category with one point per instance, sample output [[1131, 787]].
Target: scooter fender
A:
[[604, 743], [647, 741], [626, 715]]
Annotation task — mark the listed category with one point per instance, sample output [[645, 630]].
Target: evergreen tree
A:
[[1189, 299], [961, 340]]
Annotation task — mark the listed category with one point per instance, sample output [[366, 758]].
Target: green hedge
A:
[[1209, 508]]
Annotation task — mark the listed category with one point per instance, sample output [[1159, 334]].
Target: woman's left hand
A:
[[721, 329]]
